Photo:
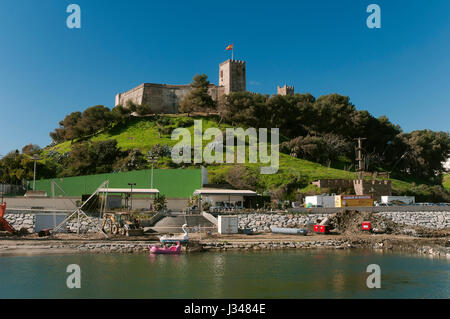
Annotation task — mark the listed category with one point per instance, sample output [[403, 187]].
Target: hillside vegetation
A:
[[143, 133], [446, 181], [317, 140]]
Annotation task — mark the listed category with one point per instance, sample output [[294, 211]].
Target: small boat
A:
[[165, 250], [177, 238]]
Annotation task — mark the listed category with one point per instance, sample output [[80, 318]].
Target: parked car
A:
[[425, 204]]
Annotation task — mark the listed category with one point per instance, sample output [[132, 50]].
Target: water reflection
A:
[[265, 274]]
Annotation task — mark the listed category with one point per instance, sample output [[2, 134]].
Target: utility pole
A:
[[359, 157], [36, 158], [152, 159], [131, 194]]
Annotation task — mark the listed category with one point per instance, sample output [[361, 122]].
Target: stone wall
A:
[[435, 220], [19, 221], [262, 222], [162, 98], [334, 183], [85, 225], [28, 220], [375, 187]]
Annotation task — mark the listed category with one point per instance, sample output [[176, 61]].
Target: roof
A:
[[128, 190], [218, 191]]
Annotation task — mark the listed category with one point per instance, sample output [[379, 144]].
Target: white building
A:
[[320, 201]]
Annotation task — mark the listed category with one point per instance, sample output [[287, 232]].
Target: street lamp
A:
[[152, 159], [131, 194], [35, 158]]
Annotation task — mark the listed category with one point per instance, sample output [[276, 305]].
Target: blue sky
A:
[[47, 70]]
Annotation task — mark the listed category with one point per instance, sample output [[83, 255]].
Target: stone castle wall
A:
[[162, 98], [333, 183], [375, 187]]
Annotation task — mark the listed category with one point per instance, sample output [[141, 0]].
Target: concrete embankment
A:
[[429, 246]]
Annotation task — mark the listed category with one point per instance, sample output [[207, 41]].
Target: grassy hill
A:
[[143, 133]]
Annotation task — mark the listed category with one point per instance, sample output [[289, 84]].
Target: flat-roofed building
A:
[[225, 198]]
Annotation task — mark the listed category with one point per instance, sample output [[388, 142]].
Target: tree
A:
[[242, 177], [71, 124], [160, 203], [95, 118], [143, 109], [312, 148], [425, 152], [92, 158], [30, 149], [120, 114], [133, 161], [198, 99], [244, 108], [334, 114], [68, 128], [77, 124]]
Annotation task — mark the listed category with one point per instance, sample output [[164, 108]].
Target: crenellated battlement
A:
[[376, 188], [233, 61], [285, 90]]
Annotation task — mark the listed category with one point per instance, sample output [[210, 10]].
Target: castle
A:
[[166, 98]]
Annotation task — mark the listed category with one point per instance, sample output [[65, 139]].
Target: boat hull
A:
[[174, 250], [174, 241]]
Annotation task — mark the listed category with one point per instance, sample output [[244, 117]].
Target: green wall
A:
[[171, 182]]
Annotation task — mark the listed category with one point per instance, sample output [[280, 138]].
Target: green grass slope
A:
[[142, 133]]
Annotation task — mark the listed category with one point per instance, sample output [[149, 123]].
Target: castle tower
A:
[[232, 76], [285, 90]]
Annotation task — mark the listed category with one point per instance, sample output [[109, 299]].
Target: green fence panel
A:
[[173, 183]]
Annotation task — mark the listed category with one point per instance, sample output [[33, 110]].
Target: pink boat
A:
[[165, 250]]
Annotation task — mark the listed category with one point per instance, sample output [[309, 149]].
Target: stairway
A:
[[173, 223]]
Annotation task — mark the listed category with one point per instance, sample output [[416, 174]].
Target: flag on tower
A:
[[230, 47]]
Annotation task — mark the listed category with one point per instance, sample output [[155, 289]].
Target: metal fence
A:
[[8, 189]]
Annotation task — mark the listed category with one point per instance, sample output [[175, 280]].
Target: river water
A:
[[266, 274]]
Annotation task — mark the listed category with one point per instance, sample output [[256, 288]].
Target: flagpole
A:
[[232, 52]]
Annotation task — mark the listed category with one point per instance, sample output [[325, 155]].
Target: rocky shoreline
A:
[[413, 245]]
